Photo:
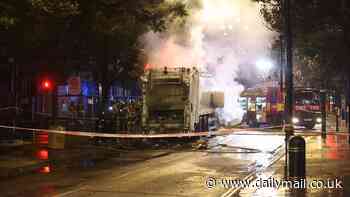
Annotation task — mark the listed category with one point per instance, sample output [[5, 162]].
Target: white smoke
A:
[[217, 38]]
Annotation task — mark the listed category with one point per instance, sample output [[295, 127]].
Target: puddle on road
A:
[[45, 169], [43, 154], [247, 144], [247, 148], [257, 151], [87, 163]]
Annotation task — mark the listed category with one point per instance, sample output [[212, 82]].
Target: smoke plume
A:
[[217, 37]]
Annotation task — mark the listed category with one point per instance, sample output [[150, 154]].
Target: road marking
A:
[[233, 191], [69, 192]]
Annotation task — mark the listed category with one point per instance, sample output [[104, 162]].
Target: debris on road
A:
[[201, 144]]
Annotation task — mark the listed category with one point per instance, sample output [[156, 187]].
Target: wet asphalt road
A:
[[182, 173]]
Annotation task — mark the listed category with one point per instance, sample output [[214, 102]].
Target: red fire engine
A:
[[264, 104]]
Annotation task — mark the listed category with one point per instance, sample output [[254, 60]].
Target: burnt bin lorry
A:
[[172, 101]]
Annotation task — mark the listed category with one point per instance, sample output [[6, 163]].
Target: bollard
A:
[[296, 157], [289, 131]]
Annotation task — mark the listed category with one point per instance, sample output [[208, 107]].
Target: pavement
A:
[[326, 159], [331, 123]]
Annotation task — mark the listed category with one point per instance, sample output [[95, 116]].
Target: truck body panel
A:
[[171, 100]]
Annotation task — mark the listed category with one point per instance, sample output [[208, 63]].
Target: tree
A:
[[61, 35], [7, 18], [320, 34], [117, 26]]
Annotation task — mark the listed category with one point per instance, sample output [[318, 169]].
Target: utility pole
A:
[[347, 80], [347, 95], [288, 74], [323, 110], [289, 66], [281, 64], [14, 91], [337, 111]]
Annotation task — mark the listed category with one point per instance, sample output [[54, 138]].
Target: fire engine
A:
[[264, 104], [307, 110]]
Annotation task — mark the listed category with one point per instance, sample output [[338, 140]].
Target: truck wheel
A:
[[310, 125]]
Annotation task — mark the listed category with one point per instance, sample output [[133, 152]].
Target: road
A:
[[181, 173]]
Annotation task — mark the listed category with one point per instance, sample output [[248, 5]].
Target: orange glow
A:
[[330, 141], [333, 144], [147, 66], [45, 170]]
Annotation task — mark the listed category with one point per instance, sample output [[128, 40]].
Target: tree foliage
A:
[[59, 8], [61, 36], [321, 36], [7, 18], [56, 30]]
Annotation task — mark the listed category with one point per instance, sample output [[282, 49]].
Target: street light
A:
[[264, 66]]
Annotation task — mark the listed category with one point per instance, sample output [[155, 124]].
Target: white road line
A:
[[250, 176], [70, 192]]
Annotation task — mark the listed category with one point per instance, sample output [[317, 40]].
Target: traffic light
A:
[[46, 85]]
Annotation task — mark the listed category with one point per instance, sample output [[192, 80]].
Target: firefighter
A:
[[118, 116], [114, 115], [131, 116], [138, 115], [263, 115], [81, 109], [244, 118], [123, 116], [72, 109]]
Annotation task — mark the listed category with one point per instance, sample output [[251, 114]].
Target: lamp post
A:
[[289, 65], [323, 110], [281, 64], [289, 100], [13, 67]]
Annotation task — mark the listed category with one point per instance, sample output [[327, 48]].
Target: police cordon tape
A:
[[9, 108], [222, 131], [124, 135]]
